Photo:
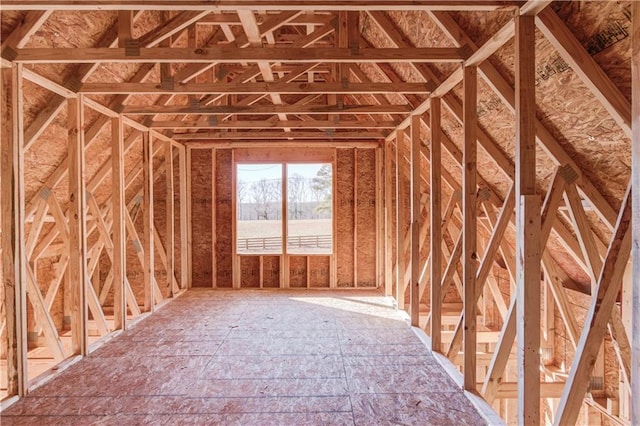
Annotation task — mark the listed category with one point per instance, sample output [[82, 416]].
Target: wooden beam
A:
[[189, 219], [233, 5], [253, 88], [270, 124], [28, 26], [170, 216], [469, 255], [499, 38], [635, 183], [527, 226], [77, 226], [214, 217], [505, 91], [222, 54], [125, 27], [602, 303], [339, 143], [400, 231], [148, 266], [171, 27], [435, 208], [119, 239], [13, 232], [581, 62], [584, 234], [276, 135], [184, 272], [414, 290], [265, 109], [388, 220]]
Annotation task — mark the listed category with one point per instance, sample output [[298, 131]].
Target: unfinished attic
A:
[[320, 212]]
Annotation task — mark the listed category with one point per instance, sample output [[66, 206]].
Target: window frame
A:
[[284, 158]]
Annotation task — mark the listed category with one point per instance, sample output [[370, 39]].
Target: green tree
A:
[[321, 186]]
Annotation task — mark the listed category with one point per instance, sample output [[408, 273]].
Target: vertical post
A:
[[170, 216], [400, 264], [414, 290], [333, 280], [77, 224], [469, 220], [436, 225], [149, 267], [379, 218], [388, 211], [284, 268], [635, 183], [184, 218], [188, 219], [355, 217], [119, 239], [214, 212], [13, 235], [527, 227]]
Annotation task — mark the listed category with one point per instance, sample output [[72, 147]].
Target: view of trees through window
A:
[[259, 194]]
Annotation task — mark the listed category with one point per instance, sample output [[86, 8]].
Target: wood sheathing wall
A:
[[355, 224]]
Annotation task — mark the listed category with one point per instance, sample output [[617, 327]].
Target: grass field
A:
[[273, 228], [252, 234]]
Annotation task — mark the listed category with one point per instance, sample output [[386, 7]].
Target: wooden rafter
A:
[[233, 55], [318, 5]]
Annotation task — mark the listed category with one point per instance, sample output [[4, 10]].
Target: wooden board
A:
[[319, 271], [297, 271], [366, 218], [270, 271], [201, 217], [343, 193], [224, 217], [250, 271]]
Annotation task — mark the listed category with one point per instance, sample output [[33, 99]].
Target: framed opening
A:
[[307, 226]]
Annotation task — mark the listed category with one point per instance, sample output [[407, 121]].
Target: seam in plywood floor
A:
[[257, 358]]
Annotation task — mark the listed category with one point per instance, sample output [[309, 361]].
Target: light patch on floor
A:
[[257, 358]]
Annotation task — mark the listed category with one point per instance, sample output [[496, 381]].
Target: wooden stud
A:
[[400, 232], [355, 217], [77, 226], [635, 178], [414, 290], [469, 255], [118, 228], [189, 219], [284, 268], [333, 283], [388, 221], [527, 227], [214, 219], [435, 180], [380, 240], [147, 208], [184, 218], [13, 232], [170, 216]]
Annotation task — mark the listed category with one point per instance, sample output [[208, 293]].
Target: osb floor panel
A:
[[256, 358]]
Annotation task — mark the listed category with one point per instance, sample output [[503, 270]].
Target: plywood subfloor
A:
[[256, 358]]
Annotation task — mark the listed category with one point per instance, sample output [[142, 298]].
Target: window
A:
[[259, 200]]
